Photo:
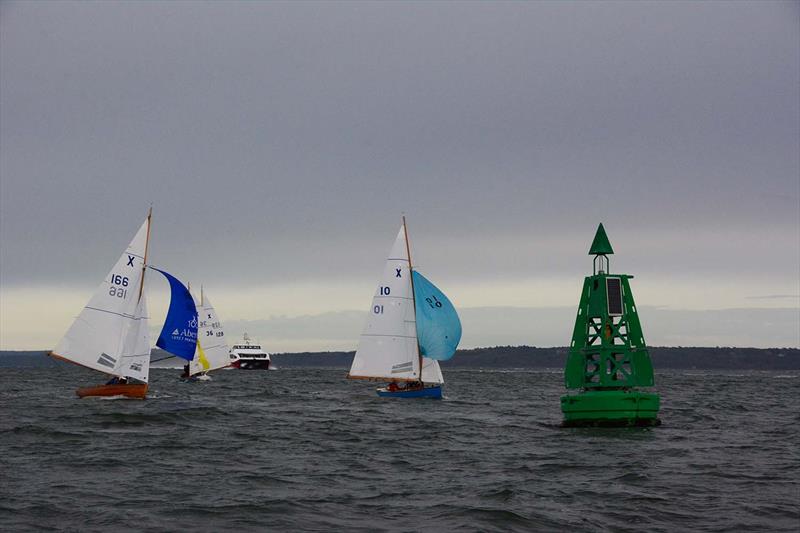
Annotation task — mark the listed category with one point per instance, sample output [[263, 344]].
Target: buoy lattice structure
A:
[[608, 359]]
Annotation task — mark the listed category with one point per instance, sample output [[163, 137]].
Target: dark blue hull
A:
[[427, 392]]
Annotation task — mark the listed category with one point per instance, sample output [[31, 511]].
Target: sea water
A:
[[305, 449]]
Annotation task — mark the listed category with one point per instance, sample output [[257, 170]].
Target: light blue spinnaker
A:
[[438, 326], [179, 334]]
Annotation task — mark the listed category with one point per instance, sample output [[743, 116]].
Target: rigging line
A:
[[123, 315], [380, 335], [413, 297], [164, 358], [207, 348]]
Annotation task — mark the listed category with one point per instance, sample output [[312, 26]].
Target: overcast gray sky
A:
[[280, 142]]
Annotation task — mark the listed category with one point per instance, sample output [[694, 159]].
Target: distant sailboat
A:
[[212, 350], [179, 333], [111, 333], [411, 326]]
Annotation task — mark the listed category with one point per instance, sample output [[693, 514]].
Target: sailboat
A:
[[411, 326], [111, 334], [179, 334], [212, 350]]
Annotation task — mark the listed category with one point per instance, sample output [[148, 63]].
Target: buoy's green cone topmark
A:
[[608, 359]]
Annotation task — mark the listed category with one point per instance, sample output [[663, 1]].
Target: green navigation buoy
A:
[[608, 359]]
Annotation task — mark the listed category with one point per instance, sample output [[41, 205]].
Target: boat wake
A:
[[110, 398]]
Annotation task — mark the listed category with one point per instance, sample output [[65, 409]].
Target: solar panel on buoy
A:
[[614, 292]]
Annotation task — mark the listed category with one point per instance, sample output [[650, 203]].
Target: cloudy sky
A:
[[279, 144]]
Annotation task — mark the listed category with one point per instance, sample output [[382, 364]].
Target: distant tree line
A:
[[531, 357], [717, 358]]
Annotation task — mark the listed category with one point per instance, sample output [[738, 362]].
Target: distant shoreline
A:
[[700, 358]]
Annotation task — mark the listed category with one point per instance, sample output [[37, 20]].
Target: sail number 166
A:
[[119, 292]]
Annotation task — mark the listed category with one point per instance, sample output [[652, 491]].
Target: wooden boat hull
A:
[[129, 390], [427, 392]]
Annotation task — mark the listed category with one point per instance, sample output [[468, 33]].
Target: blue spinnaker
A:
[[438, 326], [179, 334]]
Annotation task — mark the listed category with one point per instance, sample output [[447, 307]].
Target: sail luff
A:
[[413, 297], [146, 249]]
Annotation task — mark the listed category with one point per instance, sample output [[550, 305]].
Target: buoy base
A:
[[610, 408]]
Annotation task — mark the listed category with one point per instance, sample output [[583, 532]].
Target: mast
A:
[[146, 248], [413, 297]]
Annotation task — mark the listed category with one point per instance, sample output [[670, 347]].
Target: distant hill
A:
[[512, 357], [531, 357]]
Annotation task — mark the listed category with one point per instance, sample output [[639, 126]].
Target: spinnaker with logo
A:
[[212, 349], [111, 334], [179, 334], [411, 326]]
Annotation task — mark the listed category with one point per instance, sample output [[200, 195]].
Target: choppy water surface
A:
[[306, 449]]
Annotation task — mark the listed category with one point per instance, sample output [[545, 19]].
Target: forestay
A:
[[111, 333], [438, 326], [179, 334], [387, 349], [212, 350]]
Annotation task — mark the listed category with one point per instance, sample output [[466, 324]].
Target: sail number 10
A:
[[120, 291]]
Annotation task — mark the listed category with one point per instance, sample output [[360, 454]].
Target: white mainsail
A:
[[212, 350], [387, 349], [111, 333]]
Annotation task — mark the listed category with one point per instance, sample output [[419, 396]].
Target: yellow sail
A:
[[201, 356]]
